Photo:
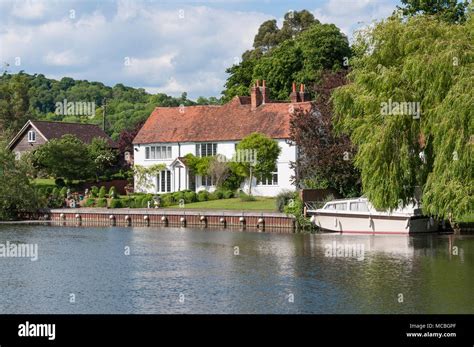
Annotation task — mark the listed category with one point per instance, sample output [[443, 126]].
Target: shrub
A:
[[63, 192], [246, 197], [202, 195], [145, 199], [89, 202], [212, 196], [55, 193], [129, 202], [283, 198], [219, 194], [94, 191], [112, 192], [102, 192], [59, 182], [116, 203], [167, 200], [101, 202], [190, 197], [227, 194]]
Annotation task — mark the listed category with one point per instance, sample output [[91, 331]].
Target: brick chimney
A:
[[294, 96], [255, 96], [265, 93], [304, 96]]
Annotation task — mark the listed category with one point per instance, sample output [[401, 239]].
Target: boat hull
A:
[[370, 224]]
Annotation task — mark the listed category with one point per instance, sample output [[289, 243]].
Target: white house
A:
[[172, 132]]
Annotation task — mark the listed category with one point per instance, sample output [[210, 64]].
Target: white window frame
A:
[[168, 181], [268, 181], [204, 145], [165, 152], [31, 136], [206, 179]]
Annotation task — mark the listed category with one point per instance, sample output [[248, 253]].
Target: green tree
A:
[[266, 151], [16, 193], [103, 157], [67, 157], [14, 102], [430, 63], [452, 11]]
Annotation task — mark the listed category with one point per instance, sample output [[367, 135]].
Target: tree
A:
[[305, 47], [219, 170], [267, 36], [14, 102], [16, 193], [425, 64], [103, 157], [452, 11], [324, 158], [67, 157], [267, 152]]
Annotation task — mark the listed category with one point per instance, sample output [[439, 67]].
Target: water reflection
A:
[[173, 270]]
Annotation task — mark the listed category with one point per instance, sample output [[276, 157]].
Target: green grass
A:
[[468, 218], [260, 204], [43, 182]]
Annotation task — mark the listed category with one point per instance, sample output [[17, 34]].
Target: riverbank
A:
[[261, 221]]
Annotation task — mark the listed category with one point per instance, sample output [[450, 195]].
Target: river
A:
[[176, 270]]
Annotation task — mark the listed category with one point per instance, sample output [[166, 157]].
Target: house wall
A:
[[22, 145], [226, 148]]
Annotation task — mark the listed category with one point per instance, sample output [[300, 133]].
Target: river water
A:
[[175, 270]]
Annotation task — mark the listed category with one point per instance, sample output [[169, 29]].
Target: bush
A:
[[116, 203], [101, 202], [145, 199], [129, 202], [59, 182], [202, 195], [112, 192], [212, 196], [55, 193], [190, 197], [227, 194], [94, 192], [102, 192], [167, 200], [63, 192], [283, 198], [89, 202], [246, 197], [219, 194]]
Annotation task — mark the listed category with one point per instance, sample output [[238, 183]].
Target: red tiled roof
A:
[[232, 121], [84, 132]]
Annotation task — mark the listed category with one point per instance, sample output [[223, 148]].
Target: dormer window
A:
[[31, 136]]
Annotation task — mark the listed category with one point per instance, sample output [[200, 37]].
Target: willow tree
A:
[[428, 64]]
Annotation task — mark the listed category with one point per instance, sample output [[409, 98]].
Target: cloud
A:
[[28, 9], [349, 15], [158, 47]]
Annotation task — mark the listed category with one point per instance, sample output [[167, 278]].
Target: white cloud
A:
[[29, 9], [351, 14], [169, 50]]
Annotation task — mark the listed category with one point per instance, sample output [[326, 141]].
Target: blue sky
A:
[[163, 46]]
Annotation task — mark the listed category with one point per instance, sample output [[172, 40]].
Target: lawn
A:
[[43, 182], [261, 204]]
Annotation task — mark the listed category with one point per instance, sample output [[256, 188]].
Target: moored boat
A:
[[358, 216]]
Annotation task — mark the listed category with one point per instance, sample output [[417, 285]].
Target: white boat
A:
[[358, 216]]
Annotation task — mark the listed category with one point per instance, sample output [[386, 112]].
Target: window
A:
[[270, 180], [341, 206], [164, 181], [206, 149], [359, 206], [330, 207], [31, 136], [158, 152], [207, 181]]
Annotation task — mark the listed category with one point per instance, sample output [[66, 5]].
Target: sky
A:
[[163, 46]]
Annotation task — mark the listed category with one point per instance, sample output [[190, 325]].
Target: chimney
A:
[[255, 96], [265, 93], [294, 96], [304, 96]]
